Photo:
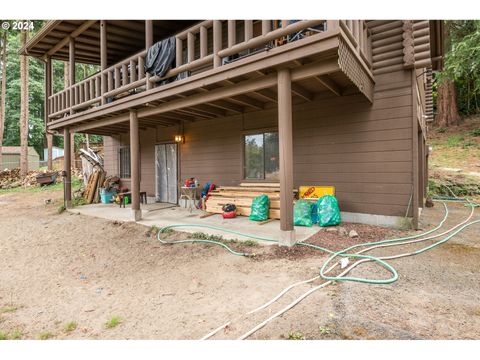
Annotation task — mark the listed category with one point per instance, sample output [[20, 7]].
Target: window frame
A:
[[245, 133], [120, 148]]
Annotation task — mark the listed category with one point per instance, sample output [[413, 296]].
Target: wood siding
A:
[[367, 151], [364, 150]]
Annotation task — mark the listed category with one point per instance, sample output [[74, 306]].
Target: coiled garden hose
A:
[[343, 253]]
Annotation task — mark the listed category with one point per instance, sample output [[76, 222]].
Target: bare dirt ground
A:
[[61, 268]]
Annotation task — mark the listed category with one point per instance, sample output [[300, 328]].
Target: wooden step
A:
[[243, 211], [274, 204]]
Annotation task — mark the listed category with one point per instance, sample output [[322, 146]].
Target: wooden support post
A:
[[178, 52], [286, 156], [232, 33], [48, 93], [49, 151], [134, 165], [103, 58], [248, 29], [421, 170], [68, 169], [203, 42], [71, 70], [415, 185], [148, 44], [71, 83], [266, 26], [72, 150], [148, 33], [217, 42], [190, 47]]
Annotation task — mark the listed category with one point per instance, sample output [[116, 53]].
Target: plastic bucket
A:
[[105, 196]]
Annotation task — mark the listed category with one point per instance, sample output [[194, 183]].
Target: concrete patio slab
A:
[[162, 214]]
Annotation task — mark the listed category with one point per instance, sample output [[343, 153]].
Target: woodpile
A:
[[242, 196], [10, 179]]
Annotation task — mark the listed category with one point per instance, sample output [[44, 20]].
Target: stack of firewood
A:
[[10, 179]]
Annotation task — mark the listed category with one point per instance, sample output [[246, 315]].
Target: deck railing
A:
[[358, 34], [209, 44]]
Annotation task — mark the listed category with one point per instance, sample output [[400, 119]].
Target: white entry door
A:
[[166, 173]]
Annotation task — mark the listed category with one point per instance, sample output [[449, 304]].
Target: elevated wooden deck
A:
[[222, 68]]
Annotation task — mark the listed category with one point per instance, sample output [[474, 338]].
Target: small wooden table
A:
[[143, 197]]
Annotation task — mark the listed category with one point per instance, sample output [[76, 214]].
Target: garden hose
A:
[[379, 244], [166, 228], [342, 253], [303, 296]]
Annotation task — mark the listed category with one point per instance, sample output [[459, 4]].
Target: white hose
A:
[[295, 302]]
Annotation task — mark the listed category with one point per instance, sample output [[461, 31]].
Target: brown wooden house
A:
[[311, 102]]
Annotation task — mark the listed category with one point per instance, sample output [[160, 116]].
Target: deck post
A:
[[71, 82], [217, 43], [285, 136], [148, 44], [148, 33], [134, 166], [415, 179], [48, 93], [103, 58], [71, 70], [67, 168]]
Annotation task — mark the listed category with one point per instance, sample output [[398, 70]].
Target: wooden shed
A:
[[11, 158]]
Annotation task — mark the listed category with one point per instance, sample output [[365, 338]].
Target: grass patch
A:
[[113, 322], [475, 132], [45, 336], [202, 236], [61, 209], [296, 335], [8, 309], [469, 144], [168, 231], [153, 230], [79, 201], [454, 140], [70, 326], [16, 335], [250, 243], [441, 130], [3, 335], [76, 184], [325, 330]]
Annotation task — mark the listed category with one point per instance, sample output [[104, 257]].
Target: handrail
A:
[[200, 48]]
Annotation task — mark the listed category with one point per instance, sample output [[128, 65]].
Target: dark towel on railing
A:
[[160, 57]]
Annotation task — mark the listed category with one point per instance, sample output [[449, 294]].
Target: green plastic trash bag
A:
[[314, 213], [260, 208], [302, 213], [328, 211]]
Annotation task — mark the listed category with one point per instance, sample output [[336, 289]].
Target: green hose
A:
[[342, 253], [165, 228]]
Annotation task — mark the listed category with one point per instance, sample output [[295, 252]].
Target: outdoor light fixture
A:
[[179, 139]]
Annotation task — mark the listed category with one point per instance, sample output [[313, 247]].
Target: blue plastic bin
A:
[[106, 196]]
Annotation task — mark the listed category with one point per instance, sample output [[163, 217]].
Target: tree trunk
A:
[[4, 88], [447, 110], [23, 108]]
